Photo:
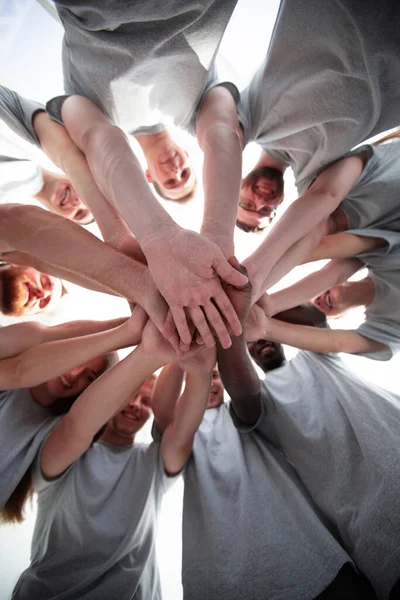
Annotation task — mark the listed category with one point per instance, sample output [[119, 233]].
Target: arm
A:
[[59, 147], [192, 261], [303, 215], [17, 338], [32, 230], [319, 340], [166, 394], [343, 245], [220, 138], [236, 368], [94, 407], [52, 359], [335, 272], [177, 441]]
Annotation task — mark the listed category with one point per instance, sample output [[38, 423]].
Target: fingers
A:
[[199, 320], [169, 326], [181, 324], [216, 321], [226, 309], [228, 273]]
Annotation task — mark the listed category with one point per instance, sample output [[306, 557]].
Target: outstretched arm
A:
[[235, 366], [220, 138], [319, 340], [177, 440], [344, 245], [335, 272], [63, 244], [166, 394], [54, 358], [303, 215], [183, 265], [94, 407], [17, 338]]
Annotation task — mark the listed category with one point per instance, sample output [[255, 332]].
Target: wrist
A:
[[164, 231]]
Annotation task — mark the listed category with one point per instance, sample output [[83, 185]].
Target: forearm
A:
[[57, 144], [220, 139], [115, 168], [221, 180], [293, 257], [299, 220], [34, 231], [177, 441], [343, 245], [94, 407], [319, 340], [334, 273], [240, 379], [166, 394], [54, 358]]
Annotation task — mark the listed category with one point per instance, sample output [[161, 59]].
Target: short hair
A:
[[191, 194], [250, 228]]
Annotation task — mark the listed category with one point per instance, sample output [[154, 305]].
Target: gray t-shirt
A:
[[249, 528], [374, 200], [23, 426], [142, 63], [382, 316], [329, 81], [342, 435], [19, 177], [94, 537]]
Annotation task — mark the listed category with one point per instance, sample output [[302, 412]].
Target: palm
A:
[[203, 361]]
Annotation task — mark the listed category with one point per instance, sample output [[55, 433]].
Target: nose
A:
[[75, 373]]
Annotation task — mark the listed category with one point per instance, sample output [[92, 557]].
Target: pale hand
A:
[[256, 324], [155, 344], [136, 323], [203, 362], [239, 297], [186, 269]]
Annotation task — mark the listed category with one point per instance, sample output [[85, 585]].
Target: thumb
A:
[[228, 273]]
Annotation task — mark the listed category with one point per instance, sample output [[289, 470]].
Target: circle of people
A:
[[290, 487]]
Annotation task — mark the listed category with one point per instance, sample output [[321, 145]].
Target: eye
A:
[[80, 214], [146, 401], [185, 174], [44, 281], [91, 376]]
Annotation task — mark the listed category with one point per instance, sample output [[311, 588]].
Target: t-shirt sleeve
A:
[[239, 424], [18, 112], [166, 481], [211, 82], [40, 482], [383, 332], [53, 108]]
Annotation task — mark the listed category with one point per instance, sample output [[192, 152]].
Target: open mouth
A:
[[130, 416], [65, 382]]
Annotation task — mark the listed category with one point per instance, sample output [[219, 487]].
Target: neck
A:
[[151, 141], [40, 395], [362, 292], [115, 439]]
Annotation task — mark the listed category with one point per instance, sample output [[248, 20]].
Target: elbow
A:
[[221, 135]]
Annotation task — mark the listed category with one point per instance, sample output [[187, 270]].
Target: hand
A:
[[203, 362], [256, 324], [226, 245], [267, 304], [152, 301], [136, 322], [155, 344], [186, 268], [239, 297]]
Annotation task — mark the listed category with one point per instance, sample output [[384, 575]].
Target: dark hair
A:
[[250, 228], [191, 194]]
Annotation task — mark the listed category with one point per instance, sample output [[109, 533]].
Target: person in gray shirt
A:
[[249, 527], [379, 336], [98, 502], [318, 93], [20, 177], [342, 435]]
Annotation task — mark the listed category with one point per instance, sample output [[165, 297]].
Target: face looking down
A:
[[61, 198], [26, 291], [260, 195], [171, 173]]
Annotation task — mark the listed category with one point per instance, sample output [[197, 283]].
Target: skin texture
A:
[[26, 291]]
